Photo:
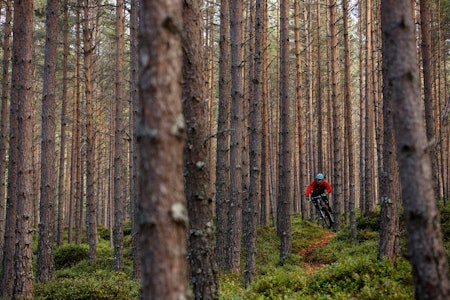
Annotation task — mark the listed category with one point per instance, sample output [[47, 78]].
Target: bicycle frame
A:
[[324, 213]]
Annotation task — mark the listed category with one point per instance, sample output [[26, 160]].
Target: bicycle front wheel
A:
[[326, 217]]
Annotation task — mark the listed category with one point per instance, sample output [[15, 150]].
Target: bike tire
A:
[[325, 217]]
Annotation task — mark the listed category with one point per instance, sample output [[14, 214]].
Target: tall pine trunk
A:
[[45, 259], [401, 77], [162, 214]]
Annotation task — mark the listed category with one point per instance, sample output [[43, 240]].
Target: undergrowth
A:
[[342, 269]]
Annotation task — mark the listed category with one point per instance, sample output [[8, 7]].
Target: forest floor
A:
[[310, 262]]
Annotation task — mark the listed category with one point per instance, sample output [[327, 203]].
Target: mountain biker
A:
[[318, 187]]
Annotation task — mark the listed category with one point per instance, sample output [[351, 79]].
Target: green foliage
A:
[[78, 278], [103, 233], [68, 255], [98, 285], [343, 269]]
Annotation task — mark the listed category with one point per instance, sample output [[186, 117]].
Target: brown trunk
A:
[[7, 274], [196, 169], [284, 202], [223, 125], [119, 180], [401, 77], [23, 66], [134, 160], [162, 206], [91, 205], [337, 132], [348, 126], [62, 147], [254, 198], [234, 233], [4, 120], [45, 258]]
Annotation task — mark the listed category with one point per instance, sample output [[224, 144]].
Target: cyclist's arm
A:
[[309, 189], [328, 187]]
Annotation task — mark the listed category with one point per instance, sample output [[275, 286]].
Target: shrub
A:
[[67, 256], [95, 286]]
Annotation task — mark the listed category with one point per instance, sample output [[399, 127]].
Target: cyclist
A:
[[318, 187]]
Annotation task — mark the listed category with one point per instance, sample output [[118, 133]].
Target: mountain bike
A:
[[324, 209]]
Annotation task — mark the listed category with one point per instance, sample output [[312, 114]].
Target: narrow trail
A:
[[309, 263]]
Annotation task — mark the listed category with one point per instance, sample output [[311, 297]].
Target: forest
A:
[[155, 149]]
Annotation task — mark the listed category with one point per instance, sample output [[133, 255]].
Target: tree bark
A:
[[284, 203], [119, 182], [45, 259], [91, 205], [134, 159], [234, 232], [337, 129], [427, 254], [4, 121], [254, 198], [348, 125], [62, 147], [162, 206], [203, 268], [223, 134], [23, 66]]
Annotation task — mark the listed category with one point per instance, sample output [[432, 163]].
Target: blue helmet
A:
[[320, 176]]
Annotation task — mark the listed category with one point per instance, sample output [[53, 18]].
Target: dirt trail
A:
[[307, 253]]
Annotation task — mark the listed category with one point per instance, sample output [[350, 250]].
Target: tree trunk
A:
[[91, 205], [7, 274], [62, 146], [162, 207], [45, 258], [134, 160], [348, 125], [223, 133], [427, 254], [254, 198], [4, 121], [337, 132], [265, 179], [119, 182], [203, 269], [428, 89], [284, 203], [234, 233], [23, 66]]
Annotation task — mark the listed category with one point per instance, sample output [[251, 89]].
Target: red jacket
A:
[[318, 188]]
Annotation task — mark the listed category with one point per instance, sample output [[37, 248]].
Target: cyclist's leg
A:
[[325, 200]]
